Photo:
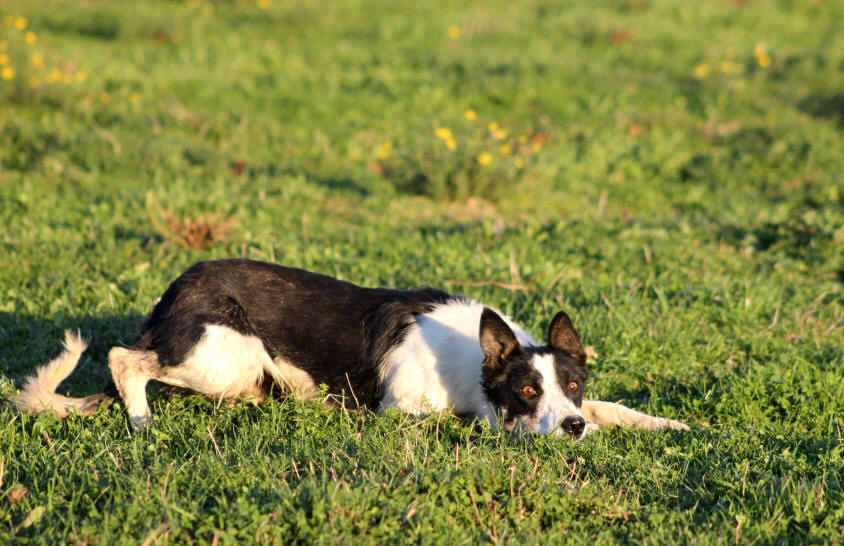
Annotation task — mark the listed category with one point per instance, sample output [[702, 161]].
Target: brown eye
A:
[[573, 386], [527, 390]]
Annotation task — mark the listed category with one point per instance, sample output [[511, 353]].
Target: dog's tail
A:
[[39, 391]]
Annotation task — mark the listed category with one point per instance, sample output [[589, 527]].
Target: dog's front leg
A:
[[599, 414]]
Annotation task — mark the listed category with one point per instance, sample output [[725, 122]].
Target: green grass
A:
[[684, 203]]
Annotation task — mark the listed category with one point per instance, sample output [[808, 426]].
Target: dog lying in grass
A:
[[237, 328]]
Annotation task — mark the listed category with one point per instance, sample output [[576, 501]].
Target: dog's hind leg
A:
[[131, 371], [223, 364], [609, 413]]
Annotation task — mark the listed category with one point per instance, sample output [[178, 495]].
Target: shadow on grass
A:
[[278, 170], [793, 238], [824, 106]]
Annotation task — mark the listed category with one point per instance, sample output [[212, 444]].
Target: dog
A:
[[239, 329]]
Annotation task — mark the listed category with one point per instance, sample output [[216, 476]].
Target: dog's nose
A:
[[573, 426]]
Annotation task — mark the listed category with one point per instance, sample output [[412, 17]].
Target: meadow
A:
[[668, 172]]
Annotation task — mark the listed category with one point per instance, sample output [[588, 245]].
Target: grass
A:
[[683, 202]]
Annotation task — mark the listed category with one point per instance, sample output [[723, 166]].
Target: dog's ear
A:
[[497, 342], [563, 336]]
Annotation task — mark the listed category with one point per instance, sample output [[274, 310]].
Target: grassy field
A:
[[668, 172]]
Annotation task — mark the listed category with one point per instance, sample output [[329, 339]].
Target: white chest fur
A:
[[438, 364]]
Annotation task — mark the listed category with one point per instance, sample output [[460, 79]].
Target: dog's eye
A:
[[527, 390], [573, 386]]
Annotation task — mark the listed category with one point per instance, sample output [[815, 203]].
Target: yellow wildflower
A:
[[54, 75], [522, 139], [451, 144], [536, 147], [471, 115], [701, 71], [484, 158], [4, 59], [444, 133], [762, 55], [264, 4], [20, 23], [384, 149], [8, 20], [37, 60], [133, 97], [7, 73], [454, 32], [500, 134], [29, 37], [505, 149], [493, 127], [727, 67], [519, 162], [105, 97], [81, 76], [4, 46]]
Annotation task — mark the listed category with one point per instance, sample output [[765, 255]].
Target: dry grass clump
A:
[[200, 233]]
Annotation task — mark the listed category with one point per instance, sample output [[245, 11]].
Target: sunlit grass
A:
[[667, 172]]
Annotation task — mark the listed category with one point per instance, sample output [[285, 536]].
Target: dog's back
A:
[[333, 330]]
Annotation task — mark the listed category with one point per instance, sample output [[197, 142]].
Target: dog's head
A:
[[535, 389]]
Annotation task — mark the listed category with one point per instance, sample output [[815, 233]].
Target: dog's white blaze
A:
[[229, 364], [554, 405], [438, 364]]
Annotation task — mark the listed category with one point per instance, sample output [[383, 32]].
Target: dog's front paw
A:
[[658, 423], [590, 428], [141, 423]]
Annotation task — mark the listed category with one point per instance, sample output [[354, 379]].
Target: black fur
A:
[[562, 335], [325, 319]]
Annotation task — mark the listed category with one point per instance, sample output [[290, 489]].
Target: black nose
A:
[[573, 426]]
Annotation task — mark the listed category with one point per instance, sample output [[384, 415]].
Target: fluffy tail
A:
[[39, 391]]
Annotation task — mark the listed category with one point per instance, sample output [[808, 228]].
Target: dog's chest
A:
[[437, 365]]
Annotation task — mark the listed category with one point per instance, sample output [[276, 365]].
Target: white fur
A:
[[131, 371], [228, 364], [292, 379], [39, 391], [438, 364], [224, 363], [610, 413]]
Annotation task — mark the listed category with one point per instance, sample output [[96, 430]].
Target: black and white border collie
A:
[[239, 328]]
